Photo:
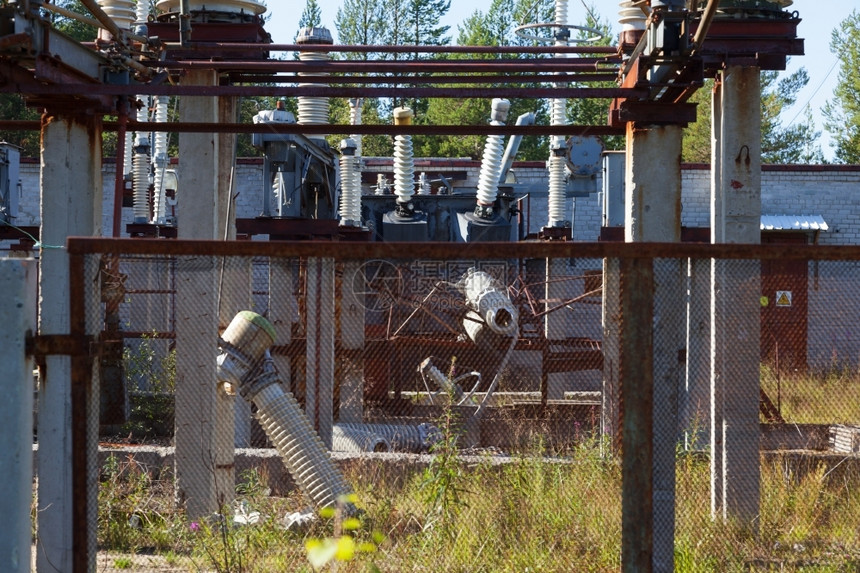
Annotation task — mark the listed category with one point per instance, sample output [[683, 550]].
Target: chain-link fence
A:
[[437, 407]]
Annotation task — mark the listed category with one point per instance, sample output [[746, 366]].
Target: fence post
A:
[[637, 414], [17, 314]]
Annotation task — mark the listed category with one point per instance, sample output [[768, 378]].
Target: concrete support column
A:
[[351, 367], [653, 214], [71, 201], [695, 403], [736, 287], [204, 417], [320, 346], [18, 316]]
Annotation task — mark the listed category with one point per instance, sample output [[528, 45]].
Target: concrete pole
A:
[[204, 417], [653, 214], [695, 409], [735, 325], [71, 202], [17, 314], [351, 367], [320, 347]]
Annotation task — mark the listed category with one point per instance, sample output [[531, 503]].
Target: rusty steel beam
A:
[[364, 129], [100, 90], [393, 251], [605, 76], [508, 65], [218, 47], [650, 112]]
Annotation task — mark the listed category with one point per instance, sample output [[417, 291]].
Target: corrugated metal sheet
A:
[[793, 223]]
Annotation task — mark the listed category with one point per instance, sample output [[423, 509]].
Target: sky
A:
[[818, 18]]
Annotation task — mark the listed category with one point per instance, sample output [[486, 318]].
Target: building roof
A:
[[793, 223]]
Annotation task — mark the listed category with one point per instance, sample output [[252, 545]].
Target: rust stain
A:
[[736, 184]]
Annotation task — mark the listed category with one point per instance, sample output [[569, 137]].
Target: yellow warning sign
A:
[[783, 298]]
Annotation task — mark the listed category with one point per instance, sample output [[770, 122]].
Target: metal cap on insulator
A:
[[314, 35], [348, 146], [403, 116], [501, 107]]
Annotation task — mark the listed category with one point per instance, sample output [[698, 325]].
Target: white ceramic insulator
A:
[[300, 447], [349, 439], [141, 12], [313, 110], [561, 12], [122, 12], [160, 159], [381, 184], [630, 16], [423, 184], [404, 168], [350, 191], [400, 437], [140, 183], [556, 191], [129, 151], [491, 168]]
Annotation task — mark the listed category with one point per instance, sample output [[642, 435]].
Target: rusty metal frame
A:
[[551, 249]]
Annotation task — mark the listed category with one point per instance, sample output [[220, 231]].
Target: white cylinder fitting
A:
[[232, 6], [350, 185], [404, 161], [160, 160], [630, 16], [491, 163]]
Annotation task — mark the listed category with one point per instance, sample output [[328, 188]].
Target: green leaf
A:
[[327, 512], [351, 524], [345, 548]]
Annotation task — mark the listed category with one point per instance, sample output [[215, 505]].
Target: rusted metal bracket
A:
[[42, 345]]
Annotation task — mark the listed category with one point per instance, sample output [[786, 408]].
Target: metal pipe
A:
[[514, 146], [105, 20], [704, 24], [119, 177]]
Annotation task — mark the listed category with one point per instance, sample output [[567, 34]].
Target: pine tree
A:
[[311, 16], [361, 22], [793, 143], [842, 113]]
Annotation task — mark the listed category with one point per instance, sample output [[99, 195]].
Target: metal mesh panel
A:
[[739, 373]]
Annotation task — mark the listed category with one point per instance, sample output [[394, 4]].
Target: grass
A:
[[829, 397], [534, 513]]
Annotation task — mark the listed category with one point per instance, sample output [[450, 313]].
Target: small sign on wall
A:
[[783, 298]]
